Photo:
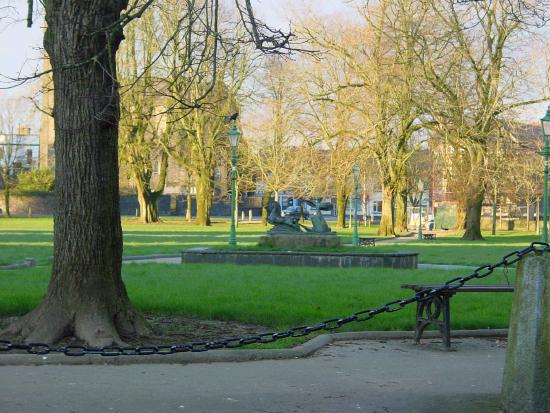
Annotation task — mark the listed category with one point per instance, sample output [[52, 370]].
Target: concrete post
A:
[[526, 384]]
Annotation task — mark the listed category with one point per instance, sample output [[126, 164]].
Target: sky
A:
[[20, 46]]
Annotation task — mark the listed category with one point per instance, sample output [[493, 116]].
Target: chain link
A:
[[265, 338]]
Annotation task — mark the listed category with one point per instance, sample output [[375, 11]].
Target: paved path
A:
[[361, 376]]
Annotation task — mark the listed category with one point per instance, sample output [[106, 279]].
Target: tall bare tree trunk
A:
[[473, 217], [204, 187], [401, 212], [386, 222], [148, 208], [147, 197], [188, 216], [341, 202], [86, 296], [7, 199], [189, 199], [460, 224]]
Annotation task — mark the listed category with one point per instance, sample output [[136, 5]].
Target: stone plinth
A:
[[303, 259], [299, 241], [526, 384]]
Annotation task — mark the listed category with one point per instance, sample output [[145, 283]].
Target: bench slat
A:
[[465, 289]]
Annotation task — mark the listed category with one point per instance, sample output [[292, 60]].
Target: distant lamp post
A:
[[545, 121], [420, 188], [356, 171], [234, 137]]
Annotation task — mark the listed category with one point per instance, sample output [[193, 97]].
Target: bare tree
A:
[[15, 112], [383, 63], [473, 77], [274, 137], [86, 296], [141, 127], [10, 143], [328, 126]]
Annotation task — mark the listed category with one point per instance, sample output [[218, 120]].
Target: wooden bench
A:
[[367, 241], [429, 236], [437, 310]]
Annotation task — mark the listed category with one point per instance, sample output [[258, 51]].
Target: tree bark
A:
[[7, 189], [148, 208], [401, 212], [473, 217], [188, 216], [265, 201], [147, 197], [341, 201], [7, 200], [460, 224], [204, 198], [386, 222], [86, 296], [189, 199]]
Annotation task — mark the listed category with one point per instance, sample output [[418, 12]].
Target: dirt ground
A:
[[175, 329]]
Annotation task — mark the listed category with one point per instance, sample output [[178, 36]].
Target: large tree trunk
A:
[[86, 297], [204, 187], [460, 224], [148, 208], [341, 202], [401, 212], [473, 217], [188, 211], [265, 201], [386, 222], [147, 197], [188, 215]]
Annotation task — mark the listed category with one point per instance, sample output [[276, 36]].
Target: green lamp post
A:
[[356, 171], [545, 121], [420, 188], [234, 137]]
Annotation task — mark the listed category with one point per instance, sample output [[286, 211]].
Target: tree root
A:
[[50, 323]]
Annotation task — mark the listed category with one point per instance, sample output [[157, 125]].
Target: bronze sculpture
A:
[[289, 224]]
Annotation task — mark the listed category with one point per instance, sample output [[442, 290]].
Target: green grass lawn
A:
[[280, 297], [32, 237]]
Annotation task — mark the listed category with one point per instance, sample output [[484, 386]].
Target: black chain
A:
[[300, 331]]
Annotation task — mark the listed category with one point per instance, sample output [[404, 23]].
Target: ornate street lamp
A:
[[545, 121], [420, 188], [234, 137], [356, 171]]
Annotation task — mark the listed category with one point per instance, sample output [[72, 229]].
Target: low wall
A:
[[402, 259], [41, 204], [36, 204]]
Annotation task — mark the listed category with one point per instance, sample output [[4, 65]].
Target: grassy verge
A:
[[280, 297]]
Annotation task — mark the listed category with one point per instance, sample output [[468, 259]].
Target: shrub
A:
[[35, 180]]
